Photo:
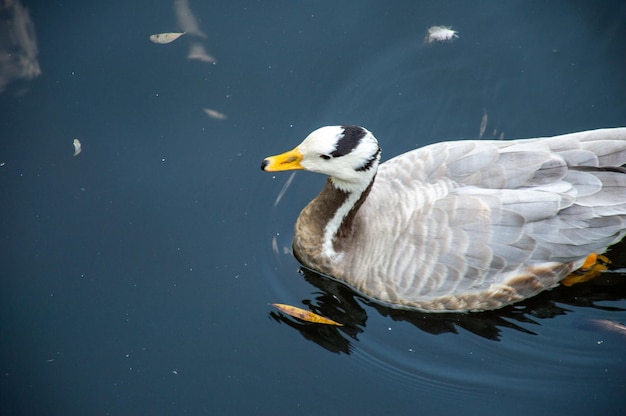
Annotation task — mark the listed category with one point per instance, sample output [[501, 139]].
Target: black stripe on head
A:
[[351, 138], [370, 162]]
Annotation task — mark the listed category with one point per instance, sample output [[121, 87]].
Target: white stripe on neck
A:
[[330, 231]]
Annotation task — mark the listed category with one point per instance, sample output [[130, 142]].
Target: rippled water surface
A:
[[138, 275]]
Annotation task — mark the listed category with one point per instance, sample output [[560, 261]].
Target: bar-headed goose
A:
[[462, 225]]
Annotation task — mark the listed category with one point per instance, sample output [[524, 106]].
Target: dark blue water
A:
[[137, 276]]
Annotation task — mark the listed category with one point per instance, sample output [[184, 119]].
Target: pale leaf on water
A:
[[164, 38]]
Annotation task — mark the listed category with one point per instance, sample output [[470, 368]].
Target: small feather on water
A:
[[441, 34], [77, 147]]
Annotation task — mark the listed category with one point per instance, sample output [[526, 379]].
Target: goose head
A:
[[348, 154]]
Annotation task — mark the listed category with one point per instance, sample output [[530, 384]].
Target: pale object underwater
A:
[[198, 53], [214, 114]]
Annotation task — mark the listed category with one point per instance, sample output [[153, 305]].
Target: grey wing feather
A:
[[486, 207]]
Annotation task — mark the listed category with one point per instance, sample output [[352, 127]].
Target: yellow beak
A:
[[286, 161]]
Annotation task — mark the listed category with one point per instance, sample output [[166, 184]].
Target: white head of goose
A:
[[463, 225]]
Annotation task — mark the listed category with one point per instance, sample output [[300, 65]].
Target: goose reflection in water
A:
[[338, 302]]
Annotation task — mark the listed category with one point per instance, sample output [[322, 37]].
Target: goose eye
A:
[[325, 157]]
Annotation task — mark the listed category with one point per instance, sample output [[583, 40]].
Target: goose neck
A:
[[340, 221]]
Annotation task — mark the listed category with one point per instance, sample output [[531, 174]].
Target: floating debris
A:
[[164, 38], [441, 34], [198, 53], [77, 147], [304, 315], [483, 125], [215, 114]]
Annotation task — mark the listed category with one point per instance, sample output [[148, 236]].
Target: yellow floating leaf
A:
[[304, 315]]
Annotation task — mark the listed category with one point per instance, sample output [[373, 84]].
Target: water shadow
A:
[[338, 302]]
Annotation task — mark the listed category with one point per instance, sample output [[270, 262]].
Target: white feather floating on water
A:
[[441, 34], [164, 38], [77, 147]]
